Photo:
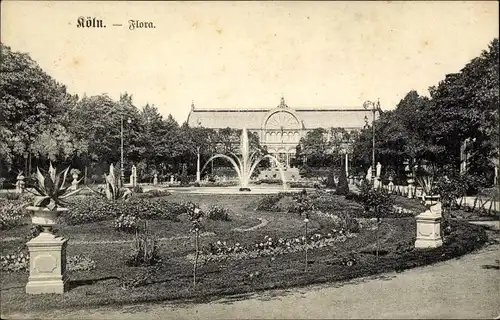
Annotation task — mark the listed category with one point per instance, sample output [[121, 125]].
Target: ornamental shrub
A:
[[144, 250], [12, 213], [220, 213], [184, 177], [268, 202], [330, 180], [127, 223], [377, 202], [20, 261], [93, 209], [15, 262], [88, 209], [137, 189], [343, 185], [152, 194]]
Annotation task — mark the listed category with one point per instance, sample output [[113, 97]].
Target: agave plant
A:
[[427, 184], [50, 188], [112, 190]]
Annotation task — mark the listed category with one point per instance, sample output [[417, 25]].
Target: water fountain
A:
[[245, 164]]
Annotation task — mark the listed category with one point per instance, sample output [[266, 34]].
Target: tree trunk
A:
[[85, 176], [376, 241], [195, 260], [306, 248]]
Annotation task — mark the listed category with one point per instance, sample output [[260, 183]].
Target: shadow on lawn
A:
[[267, 294], [85, 282], [490, 266]]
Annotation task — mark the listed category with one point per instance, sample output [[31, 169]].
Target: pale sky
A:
[[249, 54]]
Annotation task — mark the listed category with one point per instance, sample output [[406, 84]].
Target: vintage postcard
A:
[[249, 159]]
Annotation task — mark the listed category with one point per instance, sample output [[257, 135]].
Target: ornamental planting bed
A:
[[233, 262]]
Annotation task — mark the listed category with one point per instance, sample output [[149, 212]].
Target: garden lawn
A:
[[171, 279]]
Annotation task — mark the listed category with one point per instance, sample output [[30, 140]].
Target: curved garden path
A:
[[263, 223], [465, 288]]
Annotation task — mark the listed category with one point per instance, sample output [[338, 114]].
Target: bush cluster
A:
[[88, 209], [343, 185], [377, 203], [339, 221], [153, 194], [268, 202], [144, 250], [127, 223], [143, 278], [137, 189], [93, 209], [220, 213], [15, 262], [12, 213], [220, 250], [20, 261], [80, 263]]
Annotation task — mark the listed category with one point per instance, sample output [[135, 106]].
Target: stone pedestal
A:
[[133, 177], [74, 183], [47, 264], [20, 184], [429, 225], [410, 189], [390, 186]]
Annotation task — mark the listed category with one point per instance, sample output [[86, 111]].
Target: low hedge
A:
[[92, 209]]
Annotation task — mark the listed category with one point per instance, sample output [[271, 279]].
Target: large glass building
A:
[[280, 128]]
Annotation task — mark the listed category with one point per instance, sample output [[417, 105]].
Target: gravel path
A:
[[263, 222], [466, 288]]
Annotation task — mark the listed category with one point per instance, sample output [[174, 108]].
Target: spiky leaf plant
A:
[[50, 188], [112, 190]]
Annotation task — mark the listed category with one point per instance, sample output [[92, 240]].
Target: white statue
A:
[[379, 169], [369, 174]]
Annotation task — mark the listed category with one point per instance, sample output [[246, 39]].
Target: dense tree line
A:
[[322, 147], [424, 130], [421, 130], [40, 122]]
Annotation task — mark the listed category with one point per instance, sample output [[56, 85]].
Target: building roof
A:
[[223, 118], [254, 119]]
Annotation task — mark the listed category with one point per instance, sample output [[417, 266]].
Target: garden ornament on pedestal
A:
[[155, 179], [75, 182], [112, 190], [410, 187], [20, 184], [391, 184], [133, 177], [378, 169], [369, 174], [429, 222], [48, 251]]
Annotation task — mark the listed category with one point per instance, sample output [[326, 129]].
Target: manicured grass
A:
[[477, 215], [172, 279], [412, 204]]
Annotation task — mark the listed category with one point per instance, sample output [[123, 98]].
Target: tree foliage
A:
[[431, 130]]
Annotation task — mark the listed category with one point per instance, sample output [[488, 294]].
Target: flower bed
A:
[[12, 212], [171, 279], [92, 209], [20, 261], [221, 251]]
